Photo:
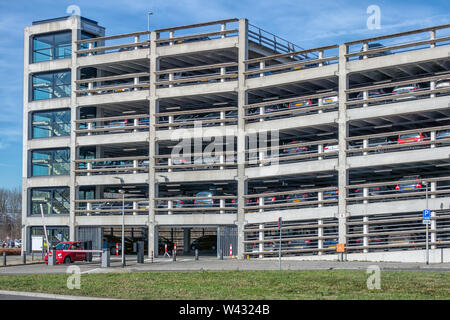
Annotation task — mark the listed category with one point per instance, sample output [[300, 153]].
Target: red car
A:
[[68, 257], [412, 137]]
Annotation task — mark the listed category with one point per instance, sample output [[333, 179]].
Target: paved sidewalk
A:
[[20, 295], [212, 263]]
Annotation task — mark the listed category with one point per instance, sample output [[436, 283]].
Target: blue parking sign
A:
[[426, 215]]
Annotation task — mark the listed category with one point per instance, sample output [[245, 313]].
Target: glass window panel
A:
[[51, 85], [52, 46], [53, 200], [50, 162], [50, 124]]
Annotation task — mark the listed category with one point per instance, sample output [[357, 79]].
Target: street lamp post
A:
[[123, 226], [122, 191], [427, 261]]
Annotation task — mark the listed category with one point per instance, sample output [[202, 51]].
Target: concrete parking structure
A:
[[217, 129]]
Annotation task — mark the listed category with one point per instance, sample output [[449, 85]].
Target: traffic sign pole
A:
[[280, 222]]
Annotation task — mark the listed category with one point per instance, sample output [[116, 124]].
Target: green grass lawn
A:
[[335, 284]]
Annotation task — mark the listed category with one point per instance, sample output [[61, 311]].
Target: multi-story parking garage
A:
[[213, 131]]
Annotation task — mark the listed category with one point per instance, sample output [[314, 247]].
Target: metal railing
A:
[[291, 107], [113, 84], [212, 73], [270, 201], [111, 206], [401, 189], [291, 61], [292, 152], [399, 91], [97, 46], [399, 232], [196, 161], [204, 117], [110, 125], [189, 36], [271, 41], [431, 137], [398, 42], [121, 165], [215, 204], [297, 237]]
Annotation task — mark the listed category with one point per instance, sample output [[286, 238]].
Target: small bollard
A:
[[24, 258], [196, 254], [174, 255], [140, 251], [152, 256], [105, 258], [51, 259], [221, 254], [4, 258]]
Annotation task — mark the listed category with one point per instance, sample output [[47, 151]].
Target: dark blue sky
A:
[[306, 23]]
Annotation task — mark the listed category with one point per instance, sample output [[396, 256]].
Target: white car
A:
[[330, 100], [331, 148], [406, 89], [444, 83]]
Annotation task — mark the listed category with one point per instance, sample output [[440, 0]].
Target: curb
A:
[[49, 295]]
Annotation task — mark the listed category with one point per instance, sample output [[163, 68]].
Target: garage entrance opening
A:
[[188, 239], [132, 235]]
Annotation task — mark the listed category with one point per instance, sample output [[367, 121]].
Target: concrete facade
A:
[[124, 130]]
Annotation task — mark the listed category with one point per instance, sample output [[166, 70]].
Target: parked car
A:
[[443, 134], [299, 197], [295, 150], [207, 242], [110, 205], [68, 257], [209, 202], [330, 100], [301, 104], [299, 244], [406, 89], [331, 195], [373, 46], [412, 137], [444, 83], [330, 243], [373, 191], [331, 148], [409, 186]]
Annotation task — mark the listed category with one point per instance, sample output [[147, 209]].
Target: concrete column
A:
[[222, 117], [366, 232], [433, 87], [222, 73], [242, 101], [136, 40], [135, 207], [320, 198], [262, 65], [261, 238], [261, 203], [365, 145], [365, 48], [186, 239], [433, 37], [170, 79], [320, 234], [152, 186], [433, 187], [320, 104], [320, 57], [262, 110], [433, 229], [171, 36], [74, 114], [343, 133], [433, 138], [221, 205], [320, 150], [223, 27], [365, 194], [365, 97]]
